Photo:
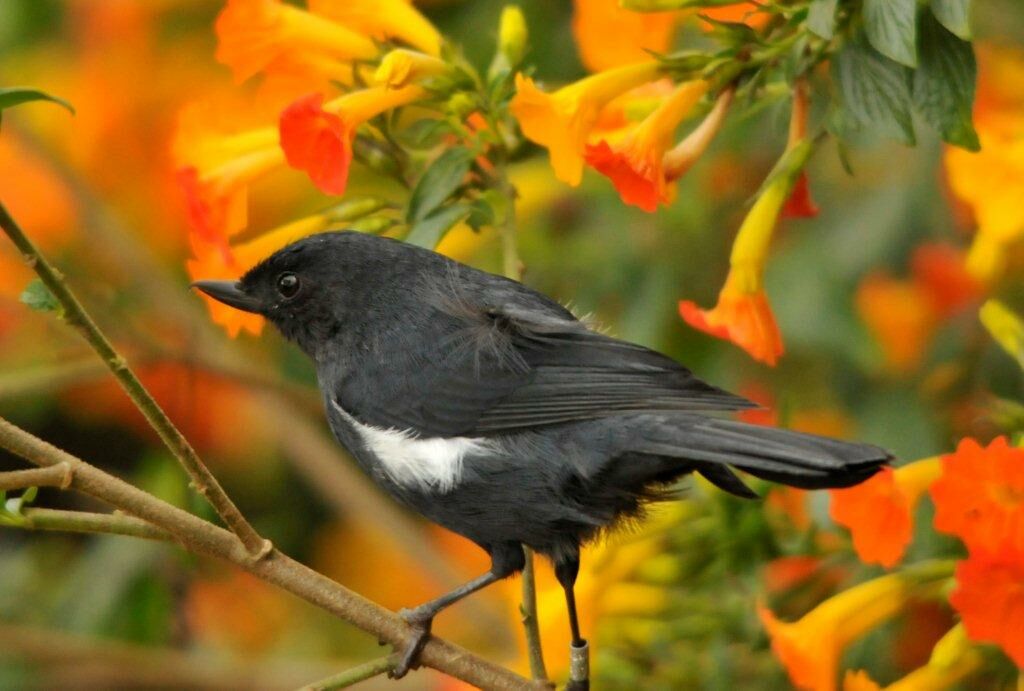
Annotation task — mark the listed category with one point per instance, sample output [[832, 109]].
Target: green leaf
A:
[[38, 297], [16, 95], [821, 18], [943, 86], [891, 28], [954, 15], [427, 232], [874, 91], [438, 182], [425, 133]]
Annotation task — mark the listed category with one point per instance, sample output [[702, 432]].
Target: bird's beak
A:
[[230, 293]]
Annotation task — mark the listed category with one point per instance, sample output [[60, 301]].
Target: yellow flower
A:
[[743, 314], [382, 20], [811, 647], [562, 121], [1006, 328], [254, 35], [401, 67], [635, 162], [952, 659], [609, 36]]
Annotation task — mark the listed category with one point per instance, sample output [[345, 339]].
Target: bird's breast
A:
[[431, 464]]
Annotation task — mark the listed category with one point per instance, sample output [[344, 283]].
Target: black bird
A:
[[491, 410]]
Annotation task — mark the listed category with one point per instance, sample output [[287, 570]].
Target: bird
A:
[[492, 410]]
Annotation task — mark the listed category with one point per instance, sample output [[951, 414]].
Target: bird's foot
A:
[[419, 620]]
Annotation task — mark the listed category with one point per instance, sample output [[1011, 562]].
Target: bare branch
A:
[[54, 476], [75, 315], [352, 676], [202, 537], [88, 522]]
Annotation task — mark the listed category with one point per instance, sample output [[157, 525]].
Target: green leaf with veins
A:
[[874, 91], [954, 15], [891, 27], [943, 85]]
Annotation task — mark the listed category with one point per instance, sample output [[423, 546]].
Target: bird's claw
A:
[[420, 623]]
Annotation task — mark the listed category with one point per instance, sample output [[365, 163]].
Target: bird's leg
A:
[[505, 561], [579, 664]]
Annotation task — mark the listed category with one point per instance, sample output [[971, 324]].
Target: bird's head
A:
[[309, 290]]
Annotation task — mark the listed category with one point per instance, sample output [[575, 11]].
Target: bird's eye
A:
[[288, 285]]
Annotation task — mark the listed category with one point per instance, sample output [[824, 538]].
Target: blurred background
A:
[[881, 330]]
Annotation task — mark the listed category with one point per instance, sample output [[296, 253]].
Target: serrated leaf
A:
[[891, 27], [38, 297], [943, 86], [429, 231], [16, 95], [821, 18], [874, 90], [954, 15], [437, 183]]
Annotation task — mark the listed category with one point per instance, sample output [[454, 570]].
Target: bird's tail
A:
[[710, 446]]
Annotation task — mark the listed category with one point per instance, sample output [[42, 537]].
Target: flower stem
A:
[[74, 314], [343, 680]]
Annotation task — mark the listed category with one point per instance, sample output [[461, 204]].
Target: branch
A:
[[53, 476], [75, 315], [202, 537], [352, 676], [88, 522]]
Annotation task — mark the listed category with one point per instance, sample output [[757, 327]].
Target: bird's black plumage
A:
[[543, 432]]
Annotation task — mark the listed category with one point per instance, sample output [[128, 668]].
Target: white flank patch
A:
[[432, 464]]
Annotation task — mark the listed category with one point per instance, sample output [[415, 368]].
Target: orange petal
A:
[[744, 319], [800, 204], [877, 513], [637, 185], [317, 142], [212, 214], [990, 599]]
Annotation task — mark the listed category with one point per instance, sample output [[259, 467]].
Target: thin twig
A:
[[75, 315], [354, 675], [53, 476], [202, 537], [37, 518]]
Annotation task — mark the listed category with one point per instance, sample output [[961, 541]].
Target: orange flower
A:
[[990, 598], [562, 121], [237, 610], [811, 647], [792, 503], [799, 204], [879, 512], [634, 164], [383, 20], [609, 36], [317, 137], [257, 35], [680, 158], [941, 271], [901, 317], [980, 496]]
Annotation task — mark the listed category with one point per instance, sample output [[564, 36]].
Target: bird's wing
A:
[[512, 360]]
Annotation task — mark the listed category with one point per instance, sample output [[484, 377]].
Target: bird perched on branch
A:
[[491, 410]]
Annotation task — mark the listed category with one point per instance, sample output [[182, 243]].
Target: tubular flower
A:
[[214, 171], [401, 67], [743, 314], [991, 181], [811, 647], [317, 137], [634, 164], [879, 511], [254, 35], [980, 496], [382, 20], [608, 36], [1006, 327], [952, 659], [682, 156], [990, 599], [562, 121], [799, 204]]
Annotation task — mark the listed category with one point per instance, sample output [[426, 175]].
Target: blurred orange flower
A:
[[609, 36], [317, 137], [941, 271], [901, 317], [237, 610], [980, 496], [634, 163], [562, 121], [259, 35], [811, 647], [990, 598], [991, 180], [879, 511]]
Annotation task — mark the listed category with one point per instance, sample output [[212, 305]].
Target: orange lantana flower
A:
[[257, 35], [609, 36], [980, 496], [990, 598], [562, 121], [317, 137], [879, 511], [634, 163]]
